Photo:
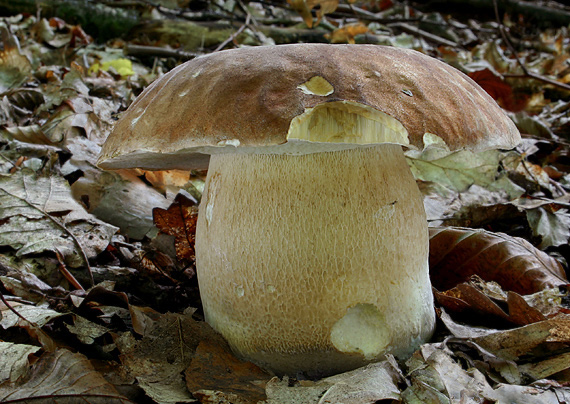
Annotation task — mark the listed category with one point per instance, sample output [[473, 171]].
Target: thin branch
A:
[[65, 272], [14, 310], [61, 226], [526, 72], [157, 51], [427, 35], [234, 35]]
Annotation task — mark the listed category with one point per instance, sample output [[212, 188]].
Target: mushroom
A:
[[312, 242]]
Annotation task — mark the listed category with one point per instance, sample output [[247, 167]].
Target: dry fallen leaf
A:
[[214, 368], [304, 7], [38, 213], [456, 254], [471, 298], [166, 349], [545, 338], [498, 89], [179, 220], [370, 384], [15, 359], [62, 377], [437, 376], [347, 33]]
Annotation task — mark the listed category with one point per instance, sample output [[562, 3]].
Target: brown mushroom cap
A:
[[247, 98]]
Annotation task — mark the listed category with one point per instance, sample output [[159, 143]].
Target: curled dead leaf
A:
[[456, 254], [61, 376], [501, 92], [347, 33], [304, 7], [179, 220]]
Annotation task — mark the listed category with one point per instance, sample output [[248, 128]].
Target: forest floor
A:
[[100, 299]]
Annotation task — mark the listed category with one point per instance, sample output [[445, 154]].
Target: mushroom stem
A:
[[288, 249]]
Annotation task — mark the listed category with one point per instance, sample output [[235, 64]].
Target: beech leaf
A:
[[553, 227], [456, 171], [215, 368], [14, 359], [501, 92], [39, 214], [61, 377], [456, 254]]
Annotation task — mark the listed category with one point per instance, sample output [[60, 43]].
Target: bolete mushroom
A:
[[312, 241]]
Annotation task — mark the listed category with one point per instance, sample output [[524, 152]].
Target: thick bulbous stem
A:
[[315, 263]]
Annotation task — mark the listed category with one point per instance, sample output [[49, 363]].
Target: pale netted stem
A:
[[315, 263]]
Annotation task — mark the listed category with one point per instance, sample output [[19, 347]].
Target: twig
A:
[[526, 72], [64, 228], [66, 274], [234, 35], [427, 35], [157, 51], [14, 310]]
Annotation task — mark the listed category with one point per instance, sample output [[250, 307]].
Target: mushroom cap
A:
[[247, 99]]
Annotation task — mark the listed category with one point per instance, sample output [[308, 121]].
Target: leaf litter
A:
[[501, 291]]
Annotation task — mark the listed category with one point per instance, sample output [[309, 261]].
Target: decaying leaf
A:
[[179, 220], [31, 319], [475, 298], [370, 384], [29, 134], [456, 171], [86, 331], [15, 68], [39, 214], [304, 7], [501, 92], [121, 199], [347, 33], [545, 338], [456, 254], [62, 377], [164, 352], [214, 368], [39, 316], [552, 225], [14, 359], [437, 377]]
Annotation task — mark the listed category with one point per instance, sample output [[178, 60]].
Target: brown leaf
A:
[[347, 33], [166, 348], [215, 368], [456, 254], [545, 338], [499, 90], [304, 7], [520, 312], [492, 306], [179, 220], [62, 377]]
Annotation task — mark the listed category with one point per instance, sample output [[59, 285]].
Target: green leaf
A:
[[456, 171]]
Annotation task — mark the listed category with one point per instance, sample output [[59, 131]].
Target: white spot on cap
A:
[[317, 86]]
